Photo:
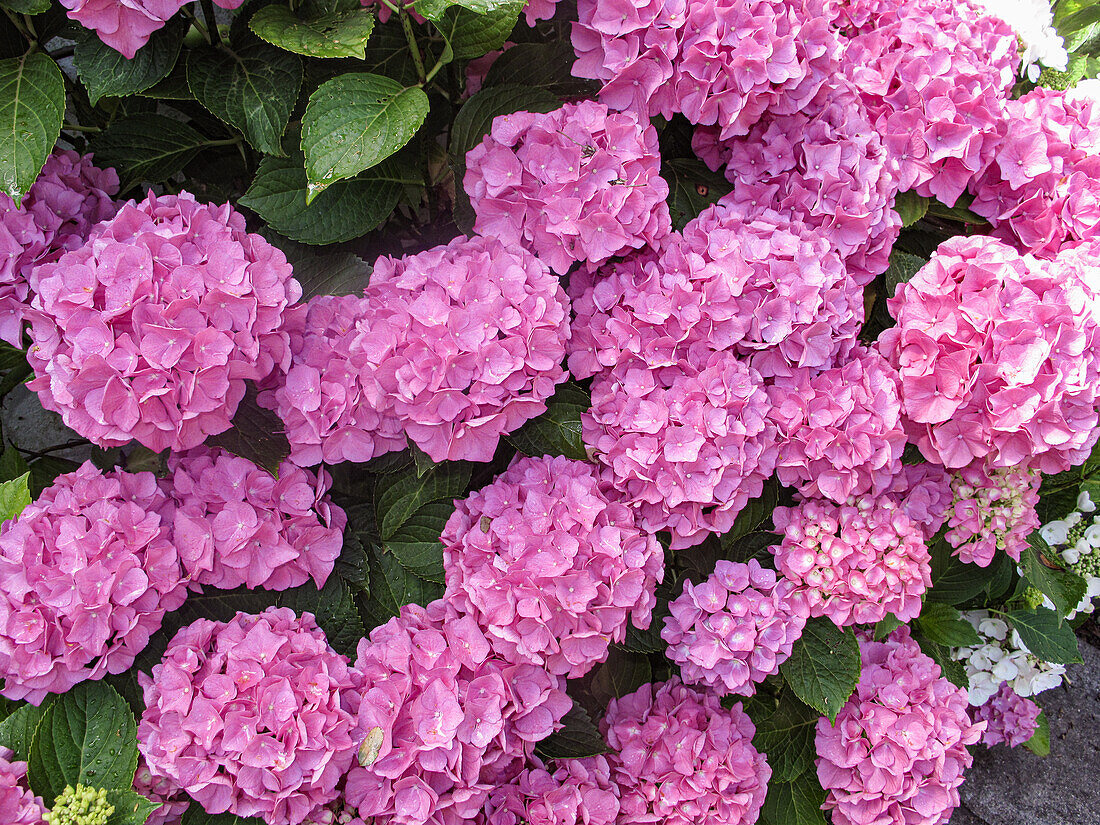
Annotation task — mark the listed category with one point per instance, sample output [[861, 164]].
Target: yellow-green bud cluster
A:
[[80, 806]]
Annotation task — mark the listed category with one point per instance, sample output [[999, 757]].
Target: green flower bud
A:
[[81, 805]]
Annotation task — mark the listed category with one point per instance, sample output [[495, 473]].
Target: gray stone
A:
[[1012, 786], [30, 427]]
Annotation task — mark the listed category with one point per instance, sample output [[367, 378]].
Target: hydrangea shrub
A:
[[536, 413]]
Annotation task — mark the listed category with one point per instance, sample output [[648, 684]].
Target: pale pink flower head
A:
[[573, 792], [924, 492], [993, 509], [1040, 189], [87, 572], [854, 562], [760, 285], [552, 569], [999, 357], [840, 431], [151, 328], [734, 629], [172, 800], [576, 184], [537, 10], [825, 166], [124, 25], [69, 196], [254, 716], [323, 397], [718, 62], [682, 759], [236, 524], [18, 804], [935, 76], [462, 343], [1010, 718], [443, 720], [897, 751], [688, 444]]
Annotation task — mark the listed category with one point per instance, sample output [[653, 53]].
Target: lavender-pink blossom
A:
[[993, 509], [571, 792], [149, 330], [897, 751], [172, 800], [577, 184], [253, 716], [552, 569], [87, 572], [18, 804], [1010, 718]]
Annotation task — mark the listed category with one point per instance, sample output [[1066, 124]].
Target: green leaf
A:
[[578, 739], [393, 587], [903, 267], [131, 808], [195, 815], [1063, 587], [944, 625], [325, 273], [253, 89], [558, 430], [421, 460], [26, 6], [15, 495], [887, 626], [787, 737], [345, 210], [106, 73], [623, 672], [256, 434], [407, 493], [416, 543], [910, 207], [1081, 30], [471, 34], [753, 516], [12, 464], [355, 121], [32, 107], [952, 670], [339, 29], [88, 736], [1045, 635], [147, 148], [18, 729], [794, 803], [648, 640], [959, 212], [953, 582], [333, 606], [434, 9], [692, 187], [473, 122], [824, 667], [1039, 743], [540, 65]]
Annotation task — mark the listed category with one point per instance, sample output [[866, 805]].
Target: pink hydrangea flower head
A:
[[462, 343], [1010, 718], [763, 286], [854, 562], [840, 431], [682, 759], [323, 399], [254, 716], [69, 196], [172, 800], [734, 629], [576, 184], [537, 10], [935, 76], [924, 492], [18, 804], [825, 166], [550, 567], [87, 572], [1040, 188], [897, 751], [235, 524], [124, 26], [718, 62], [998, 358], [151, 328], [443, 720], [687, 445], [575, 792], [992, 509]]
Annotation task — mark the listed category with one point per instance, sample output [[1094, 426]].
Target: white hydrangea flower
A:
[[1084, 503], [1003, 657], [1055, 532], [1033, 22]]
